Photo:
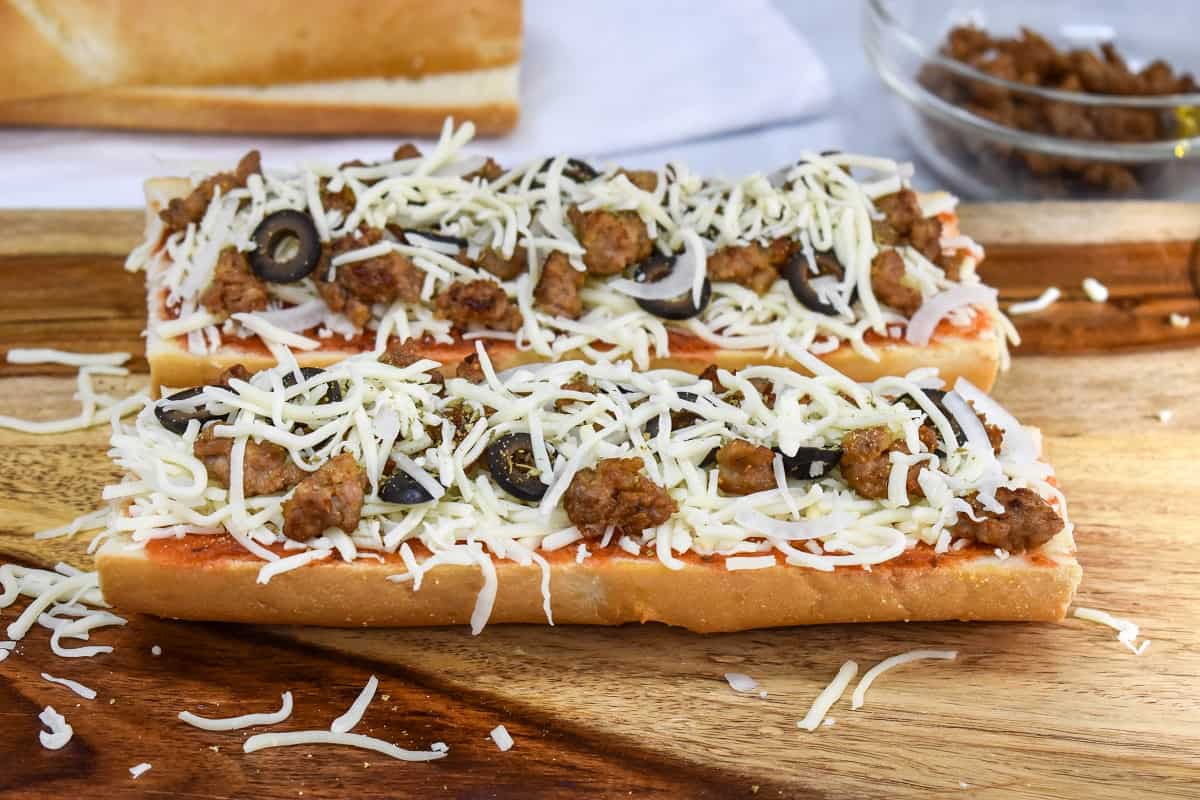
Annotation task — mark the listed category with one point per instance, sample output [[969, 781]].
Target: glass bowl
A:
[[995, 138]]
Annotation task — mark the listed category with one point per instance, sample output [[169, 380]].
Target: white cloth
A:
[[598, 78]]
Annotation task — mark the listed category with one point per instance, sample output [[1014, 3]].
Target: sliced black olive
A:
[[657, 268], [289, 229], [796, 273], [456, 241], [937, 397], [402, 488], [651, 429], [176, 419], [510, 460], [333, 392], [810, 463], [576, 169]]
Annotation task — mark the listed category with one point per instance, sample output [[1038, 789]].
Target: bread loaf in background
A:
[[267, 66]]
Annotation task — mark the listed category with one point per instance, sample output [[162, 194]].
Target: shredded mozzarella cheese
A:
[[346, 722], [1127, 631], [74, 686], [1041, 303], [860, 691], [828, 696], [1096, 291], [58, 732], [243, 721], [262, 741], [501, 737]]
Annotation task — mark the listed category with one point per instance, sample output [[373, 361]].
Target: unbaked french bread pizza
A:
[[378, 492], [833, 258]]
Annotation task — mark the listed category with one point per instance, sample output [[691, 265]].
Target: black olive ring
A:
[[271, 233], [656, 268], [510, 460]]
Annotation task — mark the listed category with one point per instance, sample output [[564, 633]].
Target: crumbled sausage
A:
[[644, 179], [184, 210], [710, 374], [481, 302], [490, 171], [745, 468], [331, 497], [236, 371], [754, 266], [503, 268], [402, 352], [266, 468], [382, 279], [342, 200], [1032, 60], [577, 384], [234, 287], [866, 462], [615, 493], [471, 369], [557, 291], [340, 301], [904, 223], [358, 284], [887, 281], [1027, 523], [612, 240], [406, 151]]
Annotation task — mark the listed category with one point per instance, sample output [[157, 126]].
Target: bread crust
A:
[[70, 45], [410, 106], [610, 588]]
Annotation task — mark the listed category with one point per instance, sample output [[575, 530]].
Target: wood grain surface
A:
[[1037, 711]]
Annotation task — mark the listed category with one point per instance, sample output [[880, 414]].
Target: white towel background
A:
[[598, 79]]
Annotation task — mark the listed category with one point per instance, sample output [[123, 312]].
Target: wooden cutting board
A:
[[1040, 711]]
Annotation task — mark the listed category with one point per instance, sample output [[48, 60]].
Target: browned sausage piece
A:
[[1027, 523], [406, 151], [471, 369], [481, 301], [382, 279], [613, 240], [183, 210], [557, 291], [906, 223], [490, 171], [331, 497], [644, 179], [402, 352], [234, 287], [745, 468], [866, 461], [615, 493], [266, 468], [237, 371], [503, 268], [887, 275], [754, 266]]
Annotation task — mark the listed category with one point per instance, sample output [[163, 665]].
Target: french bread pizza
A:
[[833, 258], [377, 492]]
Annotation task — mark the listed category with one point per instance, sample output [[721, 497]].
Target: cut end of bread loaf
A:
[[197, 578]]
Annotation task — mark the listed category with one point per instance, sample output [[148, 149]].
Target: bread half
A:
[[213, 578]]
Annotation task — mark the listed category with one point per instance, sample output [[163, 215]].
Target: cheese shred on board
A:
[[400, 425], [828, 696], [65, 601], [1127, 630], [96, 408], [860, 691], [443, 216], [244, 721]]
